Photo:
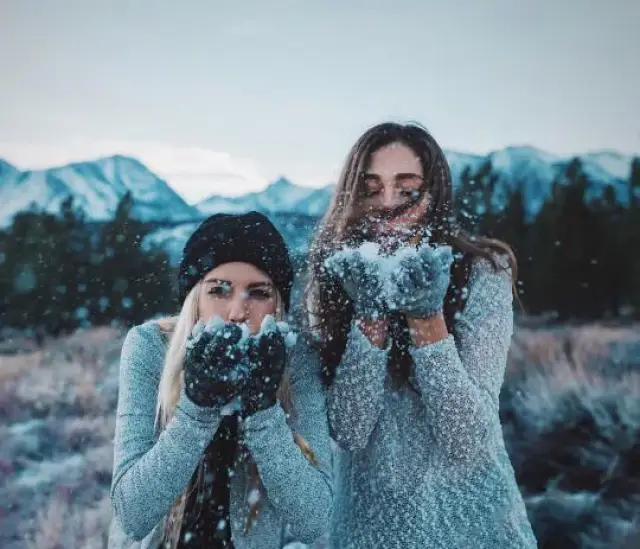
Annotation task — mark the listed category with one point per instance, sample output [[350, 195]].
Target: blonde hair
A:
[[177, 330]]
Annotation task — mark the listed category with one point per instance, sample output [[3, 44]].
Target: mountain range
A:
[[282, 196], [98, 186]]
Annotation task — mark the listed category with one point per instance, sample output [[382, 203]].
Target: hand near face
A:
[[361, 279], [216, 365], [412, 280], [268, 352], [418, 284]]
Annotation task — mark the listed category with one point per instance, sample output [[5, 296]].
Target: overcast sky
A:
[[209, 92]]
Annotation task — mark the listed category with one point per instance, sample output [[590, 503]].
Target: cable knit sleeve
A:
[[149, 473], [355, 398], [300, 490], [460, 378]]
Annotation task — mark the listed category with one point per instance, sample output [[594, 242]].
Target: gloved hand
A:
[[268, 355], [216, 363], [418, 283], [361, 279]]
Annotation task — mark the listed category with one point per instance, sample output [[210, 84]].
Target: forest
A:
[[577, 256]]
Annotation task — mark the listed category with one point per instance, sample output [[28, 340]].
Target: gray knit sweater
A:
[[429, 469], [152, 469]]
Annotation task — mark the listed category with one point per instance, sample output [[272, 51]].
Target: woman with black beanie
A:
[[221, 429]]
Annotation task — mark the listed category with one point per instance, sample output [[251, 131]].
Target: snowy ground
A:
[[570, 408]]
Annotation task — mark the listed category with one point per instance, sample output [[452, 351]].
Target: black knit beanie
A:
[[225, 238]]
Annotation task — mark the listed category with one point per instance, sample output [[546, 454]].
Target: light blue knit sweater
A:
[[152, 469], [429, 470]]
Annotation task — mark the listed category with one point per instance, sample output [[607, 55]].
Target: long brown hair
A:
[[329, 309]]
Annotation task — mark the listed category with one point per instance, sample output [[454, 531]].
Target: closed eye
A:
[[261, 294], [413, 194], [410, 184], [369, 192], [370, 184]]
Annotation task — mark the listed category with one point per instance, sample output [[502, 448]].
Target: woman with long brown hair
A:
[[413, 318], [221, 428]]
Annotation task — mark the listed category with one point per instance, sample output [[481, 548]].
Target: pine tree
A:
[[486, 180], [579, 279], [69, 270], [27, 267], [538, 270], [473, 200], [631, 241], [130, 282], [6, 282], [615, 264], [44, 258], [463, 200], [511, 227]]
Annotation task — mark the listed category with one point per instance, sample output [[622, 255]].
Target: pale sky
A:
[[224, 96]]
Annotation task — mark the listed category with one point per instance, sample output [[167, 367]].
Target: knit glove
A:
[[216, 363], [418, 283], [268, 355], [361, 279]]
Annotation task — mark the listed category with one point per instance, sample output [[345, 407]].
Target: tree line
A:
[[61, 272], [578, 256]]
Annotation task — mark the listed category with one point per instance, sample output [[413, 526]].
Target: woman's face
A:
[[393, 180], [237, 292]]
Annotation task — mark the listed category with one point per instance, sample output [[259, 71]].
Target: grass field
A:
[[570, 407]]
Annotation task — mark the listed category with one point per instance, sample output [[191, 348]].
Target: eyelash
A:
[[403, 192], [220, 292], [262, 295], [369, 193]]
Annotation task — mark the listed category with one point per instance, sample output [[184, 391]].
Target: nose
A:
[[238, 310], [389, 198]]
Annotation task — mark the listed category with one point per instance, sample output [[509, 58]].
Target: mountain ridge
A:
[[99, 184]]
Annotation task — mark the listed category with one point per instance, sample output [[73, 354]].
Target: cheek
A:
[[211, 307], [259, 310], [416, 212], [368, 206], [369, 201]]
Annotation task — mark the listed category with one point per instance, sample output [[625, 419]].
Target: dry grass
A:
[[63, 525], [59, 409], [571, 417], [584, 349], [64, 379], [58, 404]]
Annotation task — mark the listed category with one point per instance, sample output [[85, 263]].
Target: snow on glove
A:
[[358, 271], [268, 354], [418, 283], [216, 363]]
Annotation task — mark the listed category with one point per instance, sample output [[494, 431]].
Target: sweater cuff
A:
[[428, 351], [433, 362], [202, 414], [358, 342], [265, 419]]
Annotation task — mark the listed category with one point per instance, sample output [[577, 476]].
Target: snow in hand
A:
[[268, 325], [387, 267]]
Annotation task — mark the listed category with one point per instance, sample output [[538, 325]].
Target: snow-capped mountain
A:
[[528, 168], [7, 171], [96, 186], [534, 171], [531, 169], [281, 196]]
